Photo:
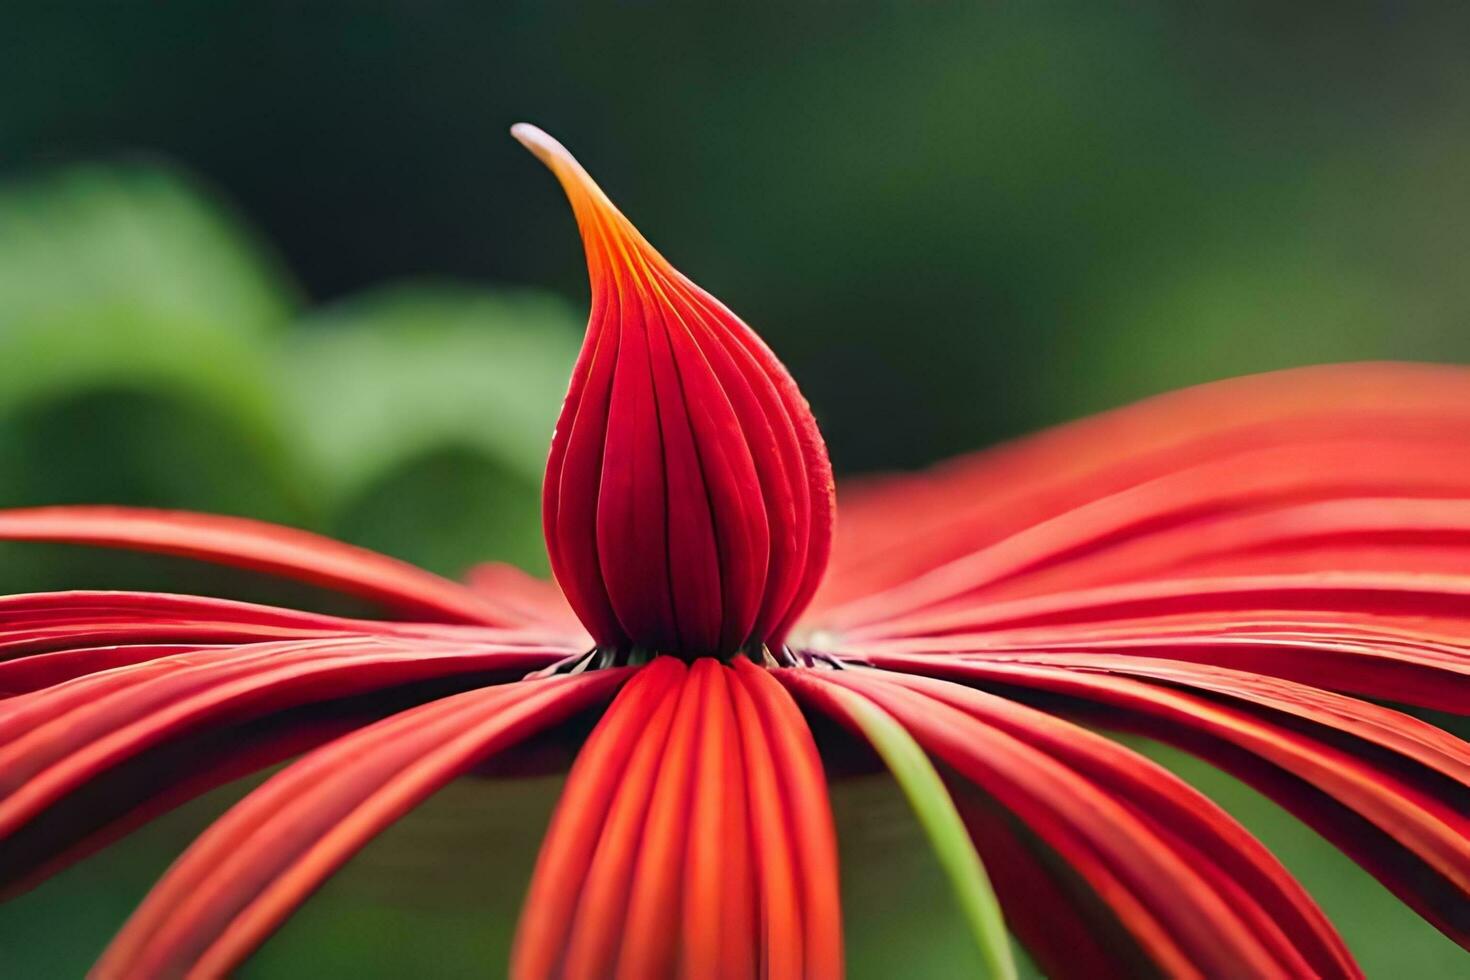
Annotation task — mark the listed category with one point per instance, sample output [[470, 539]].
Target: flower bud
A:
[[688, 503]]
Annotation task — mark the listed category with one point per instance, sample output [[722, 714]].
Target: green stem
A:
[[940, 820]]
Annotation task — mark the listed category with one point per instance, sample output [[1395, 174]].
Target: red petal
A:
[[261, 547], [1066, 927], [808, 812], [597, 930], [650, 946], [719, 908], [775, 855], [158, 782], [55, 740], [53, 637], [633, 728], [1437, 603], [1173, 912], [1284, 916], [534, 599], [247, 872], [1404, 665], [1407, 736], [1402, 816], [25, 674], [1384, 534], [34, 622], [898, 529], [1252, 507], [694, 839]]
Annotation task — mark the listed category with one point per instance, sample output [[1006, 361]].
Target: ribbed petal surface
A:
[[1398, 429], [263, 858], [262, 547], [694, 839], [1390, 791], [688, 497], [1150, 852], [186, 692], [1229, 569]]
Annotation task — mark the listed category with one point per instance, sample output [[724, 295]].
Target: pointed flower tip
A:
[[545, 146], [578, 184]]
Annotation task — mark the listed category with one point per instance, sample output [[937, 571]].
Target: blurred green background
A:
[[282, 260]]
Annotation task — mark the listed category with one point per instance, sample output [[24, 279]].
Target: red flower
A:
[[1246, 570]]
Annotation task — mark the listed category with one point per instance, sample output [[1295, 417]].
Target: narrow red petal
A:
[[650, 944], [268, 548], [55, 740], [53, 637], [1384, 728], [37, 622], [897, 529], [1384, 534], [596, 934], [1378, 660], [1406, 824], [1437, 603], [1068, 930], [718, 913], [25, 674], [1252, 507], [245, 875], [808, 812], [535, 600], [1174, 908], [158, 783], [1159, 949], [782, 934], [642, 708], [1200, 830], [678, 849]]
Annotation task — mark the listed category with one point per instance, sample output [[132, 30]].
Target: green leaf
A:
[[96, 238], [402, 373], [447, 511], [123, 277], [940, 820], [125, 281]]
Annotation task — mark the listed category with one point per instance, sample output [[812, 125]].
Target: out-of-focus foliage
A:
[[403, 372], [152, 353], [135, 328], [956, 222], [425, 414]]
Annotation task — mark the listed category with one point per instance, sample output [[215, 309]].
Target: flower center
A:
[[688, 502]]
